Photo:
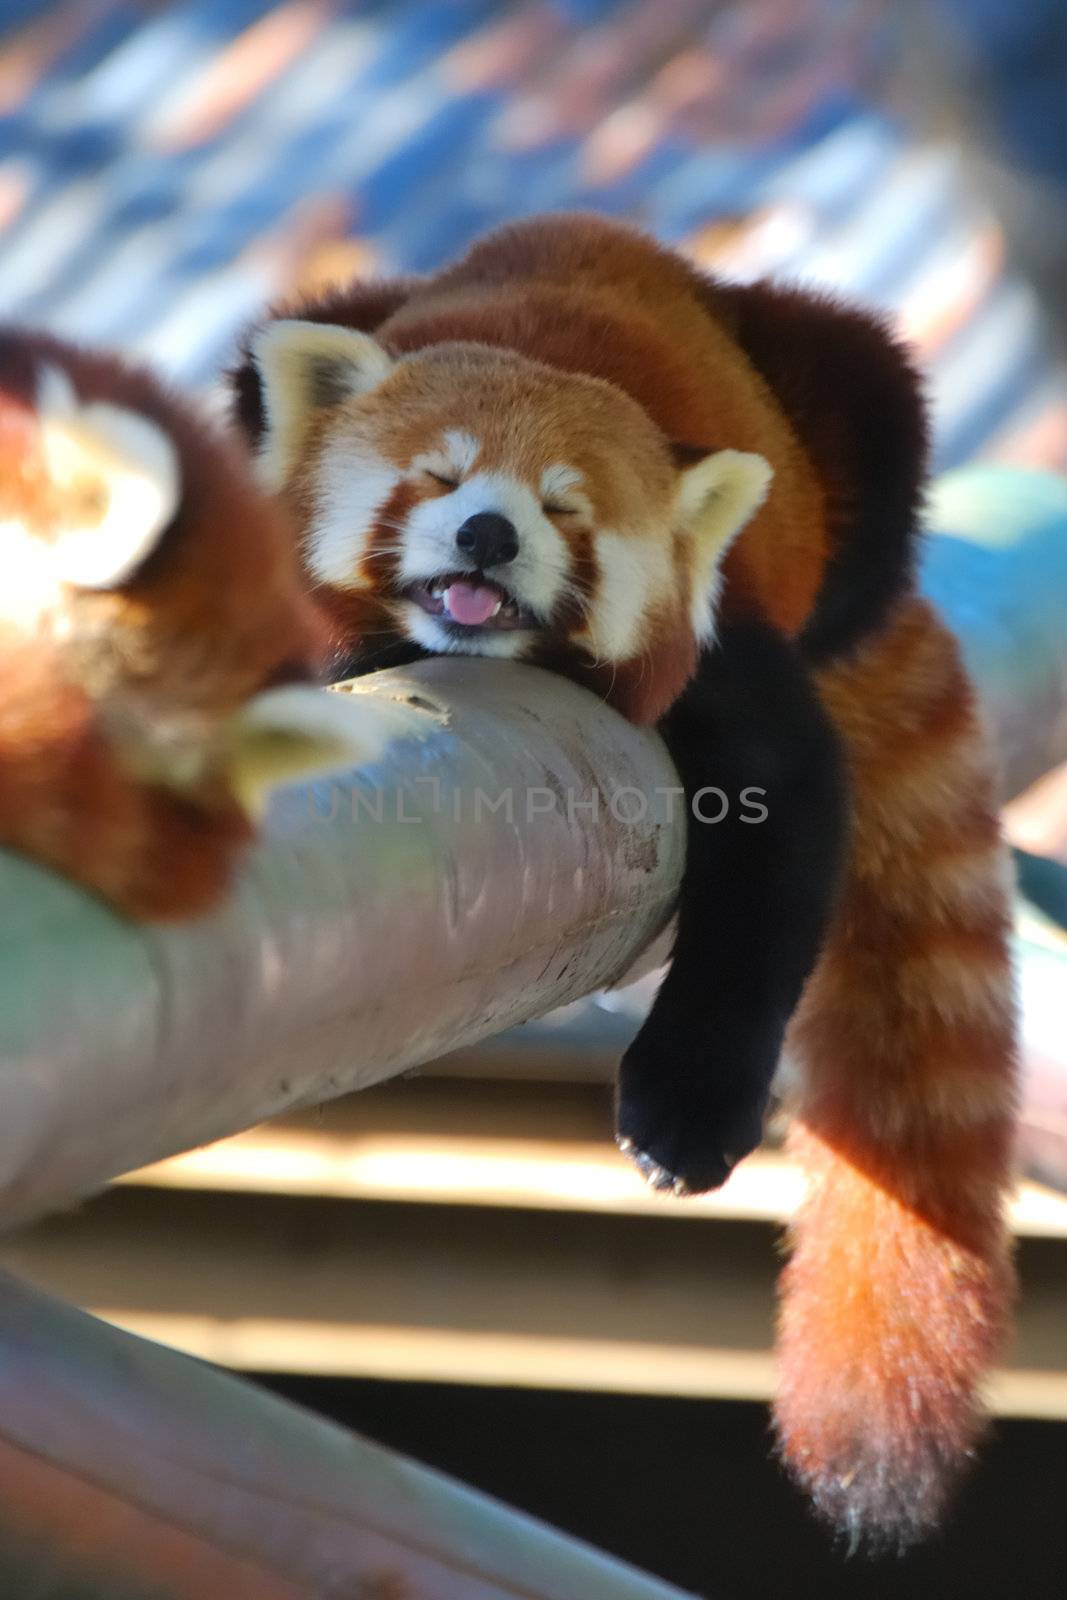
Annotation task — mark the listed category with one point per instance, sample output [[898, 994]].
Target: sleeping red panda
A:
[[150, 592], [700, 499]]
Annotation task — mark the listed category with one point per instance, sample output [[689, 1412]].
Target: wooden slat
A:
[[535, 1298], [541, 1147]]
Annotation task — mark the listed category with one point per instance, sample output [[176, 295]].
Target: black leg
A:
[[756, 897]]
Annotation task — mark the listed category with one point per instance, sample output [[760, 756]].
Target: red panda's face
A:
[[145, 572], [476, 502], [492, 503]]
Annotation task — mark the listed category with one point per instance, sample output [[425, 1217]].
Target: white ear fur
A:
[[721, 493], [127, 468], [716, 499], [304, 366], [292, 735]]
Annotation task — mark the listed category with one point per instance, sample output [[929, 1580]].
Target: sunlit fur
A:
[[896, 1299], [386, 479], [620, 540], [116, 699], [572, 341]]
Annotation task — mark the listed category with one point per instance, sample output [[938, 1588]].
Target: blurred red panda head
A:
[[154, 632], [472, 500]]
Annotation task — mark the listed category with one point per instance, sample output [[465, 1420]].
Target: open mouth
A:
[[469, 600]]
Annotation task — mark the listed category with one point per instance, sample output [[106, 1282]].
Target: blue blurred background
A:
[[164, 169]]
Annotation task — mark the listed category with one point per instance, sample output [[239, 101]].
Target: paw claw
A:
[[654, 1175], [665, 1179]]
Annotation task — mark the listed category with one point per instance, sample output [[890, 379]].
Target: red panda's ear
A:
[[296, 734], [721, 492], [715, 499], [117, 485], [305, 368]]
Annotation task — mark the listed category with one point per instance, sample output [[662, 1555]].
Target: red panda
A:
[[700, 499], [150, 594]]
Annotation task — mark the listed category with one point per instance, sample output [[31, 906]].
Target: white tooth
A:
[[496, 608]]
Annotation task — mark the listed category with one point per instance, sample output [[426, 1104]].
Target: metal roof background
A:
[[165, 169]]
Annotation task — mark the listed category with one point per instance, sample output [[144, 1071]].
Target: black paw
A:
[[685, 1133]]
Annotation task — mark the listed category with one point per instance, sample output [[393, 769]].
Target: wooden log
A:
[[516, 845], [149, 1474]]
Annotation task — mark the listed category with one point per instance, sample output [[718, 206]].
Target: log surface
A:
[[387, 916]]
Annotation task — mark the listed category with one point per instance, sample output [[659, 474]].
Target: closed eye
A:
[[551, 510], [441, 478]]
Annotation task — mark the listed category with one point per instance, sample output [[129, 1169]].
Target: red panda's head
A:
[[148, 579], [470, 500]]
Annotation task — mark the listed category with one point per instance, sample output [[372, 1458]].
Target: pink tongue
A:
[[471, 603]]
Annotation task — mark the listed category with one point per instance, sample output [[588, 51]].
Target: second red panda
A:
[[150, 613], [700, 499]]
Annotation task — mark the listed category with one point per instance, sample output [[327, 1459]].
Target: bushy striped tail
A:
[[895, 1300]]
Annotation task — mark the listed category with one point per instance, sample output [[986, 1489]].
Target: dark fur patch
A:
[[331, 382], [855, 402], [371, 654], [19, 366], [688, 455], [756, 901], [364, 631]]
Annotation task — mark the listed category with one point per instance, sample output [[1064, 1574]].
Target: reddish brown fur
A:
[[588, 297], [636, 686], [215, 614], [896, 1297]]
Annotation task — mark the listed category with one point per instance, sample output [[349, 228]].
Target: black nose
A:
[[488, 538]]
